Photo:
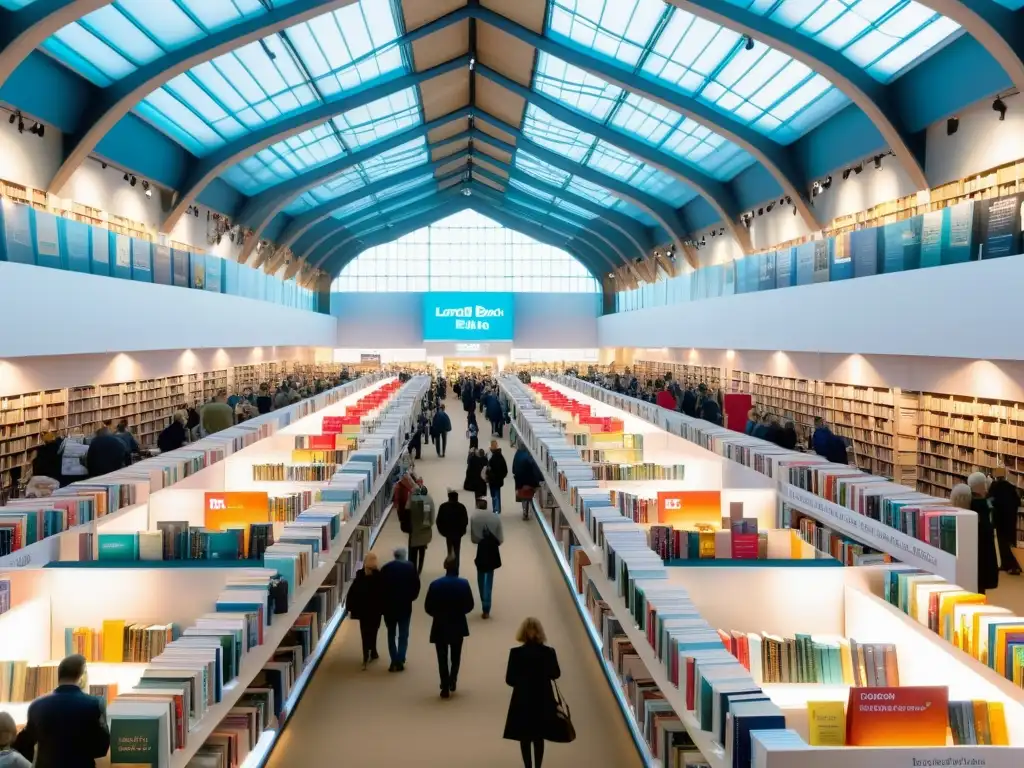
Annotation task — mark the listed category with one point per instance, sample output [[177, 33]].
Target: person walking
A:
[[452, 523], [468, 400], [472, 431], [988, 565], [494, 413], [440, 427], [476, 465], [421, 526], [449, 599], [217, 415], [66, 728], [401, 587], [485, 530], [531, 673], [400, 497], [365, 604], [1005, 503], [497, 471], [527, 477]]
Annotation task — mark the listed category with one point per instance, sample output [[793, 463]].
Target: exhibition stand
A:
[[203, 649], [666, 628]]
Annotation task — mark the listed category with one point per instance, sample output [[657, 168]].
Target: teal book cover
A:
[[118, 546], [135, 741], [224, 545]]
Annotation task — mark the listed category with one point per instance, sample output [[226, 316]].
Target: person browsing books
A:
[[106, 454], [527, 478], [174, 435], [1005, 503], [485, 530], [988, 565], [217, 415], [9, 758], [421, 526], [401, 588], [449, 599], [531, 672], [365, 603], [66, 728]]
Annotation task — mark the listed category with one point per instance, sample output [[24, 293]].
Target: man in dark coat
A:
[[452, 523], [440, 427], [495, 414], [68, 726], [401, 587], [690, 402], [467, 396], [449, 600], [1005, 503], [476, 463], [497, 471]]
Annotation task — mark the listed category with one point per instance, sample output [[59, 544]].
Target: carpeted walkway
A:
[[376, 718]]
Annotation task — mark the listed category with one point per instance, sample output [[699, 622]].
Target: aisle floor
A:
[[375, 718]]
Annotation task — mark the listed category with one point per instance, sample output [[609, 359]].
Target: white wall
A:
[[395, 320], [52, 312], [965, 310], [25, 158], [32, 374], [981, 142]]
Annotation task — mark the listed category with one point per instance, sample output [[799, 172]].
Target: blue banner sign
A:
[[467, 317]]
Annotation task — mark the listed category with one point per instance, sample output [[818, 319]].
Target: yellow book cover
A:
[[113, 641], [997, 724], [795, 545], [912, 584], [979, 630], [707, 545], [924, 593], [947, 602], [981, 726], [827, 723], [846, 657]]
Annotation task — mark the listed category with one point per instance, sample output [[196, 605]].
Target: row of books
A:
[[310, 456], [299, 473], [635, 472], [287, 506], [814, 659], [920, 516], [824, 539], [119, 641], [715, 697], [327, 443], [5, 596], [589, 439], [708, 543], [22, 682], [992, 635]]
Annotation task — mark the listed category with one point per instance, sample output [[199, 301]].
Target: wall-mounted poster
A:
[[213, 273], [142, 260], [729, 278], [100, 251], [821, 249], [17, 243], [864, 251], [805, 264], [931, 239], [1000, 227], [47, 240], [162, 265], [841, 267], [180, 267], [122, 255], [785, 267], [902, 240], [958, 233], [76, 244], [197, 273], [766, 271]]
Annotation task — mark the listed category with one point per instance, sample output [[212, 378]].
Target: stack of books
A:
[[286, 507], [634, 472], [841, 547], [21, 681], [118, 641], [299, 473]]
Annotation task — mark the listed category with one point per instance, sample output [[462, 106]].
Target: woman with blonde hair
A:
[[532, 670], [174, 434], [365, 603]]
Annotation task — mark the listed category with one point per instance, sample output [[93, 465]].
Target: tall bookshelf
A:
[[23, 420], [253, 375], [711, 375]]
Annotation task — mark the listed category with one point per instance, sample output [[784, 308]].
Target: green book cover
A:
[[819, 663], [224, 545], [135, 741], [118, 546], [947, 534]]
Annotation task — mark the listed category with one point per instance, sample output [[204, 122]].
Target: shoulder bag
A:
[[562, 730]]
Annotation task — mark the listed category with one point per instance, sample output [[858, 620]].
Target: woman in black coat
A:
[[475, 464], [532, 669], [365, 603]]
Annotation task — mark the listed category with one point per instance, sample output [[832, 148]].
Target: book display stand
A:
[[201, 608], [664, 630]]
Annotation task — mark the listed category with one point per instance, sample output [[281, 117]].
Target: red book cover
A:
[[744, 546], [690, 666]]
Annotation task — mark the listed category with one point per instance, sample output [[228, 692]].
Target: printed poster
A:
[[821, 267], [213, 270], [76, 245], [766, 271], [931, 239], [16, 223], [689, 508], [864, 248], [805, 264], [179, 265], [198, 261], [784, 268], [141, 259], [46, 235], [162, 265], [958, 237], [100, 250], [122, 251], [1001, 223]]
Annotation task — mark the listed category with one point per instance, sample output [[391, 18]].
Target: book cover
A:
[[118, 546], [827, 723], [911, 716], [135, 741]]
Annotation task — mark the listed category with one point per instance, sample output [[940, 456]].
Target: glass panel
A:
[[466, 251]]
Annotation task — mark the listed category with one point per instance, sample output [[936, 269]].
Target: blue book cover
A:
[[117, 546], [75, 244], [16, 245], [47, 239], [285, 566]]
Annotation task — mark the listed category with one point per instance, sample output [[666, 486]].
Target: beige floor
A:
[[375, 718]]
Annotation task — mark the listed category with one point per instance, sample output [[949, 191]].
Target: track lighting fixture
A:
[[858, 168], [769, 207], [126, 176], [999, 106], [196, 211], [760, 211], [103, 165], [794, 210], [12, 118], [952, 125], [749, 44], [721, 231], [21, 124], [713, 233], [782, 200], [146, 189], [37, 129], [827, 182], [878, 162], [134, 181], [846, 173], [789, 200]]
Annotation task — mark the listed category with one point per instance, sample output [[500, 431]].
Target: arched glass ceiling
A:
[[641, 118], [380, 166], [883, 37], [558, 202], [427, 182], [773, 93], [326, 142], [588, 150], [220, 100]]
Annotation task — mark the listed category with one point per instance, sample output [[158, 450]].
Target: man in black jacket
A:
[[497, 471], [452, 523], [401, 587], [1005, 503], [449, 599], [66, 728]]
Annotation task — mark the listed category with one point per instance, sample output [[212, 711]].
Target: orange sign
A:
[[690, 508], [911, 716], [236, 509]]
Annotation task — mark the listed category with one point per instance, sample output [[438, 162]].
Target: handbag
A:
[[562, 730], [525, 493]]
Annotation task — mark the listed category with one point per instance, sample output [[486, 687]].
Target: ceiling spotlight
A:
[[760, 211], [770, 206], [827, 182], [789, 200], [126, 177], [196, 211], [702, 239], [133, 181], [21, 124], [611, 274], [999, 106], [749, 45], [103, 165], [467, 192], [952, 125], [794, 210], [858, 168], [472, 63], [12, 118], [42, 129], [878, 162], [846, 173], [782, 200], [145, 186], [713, 233]]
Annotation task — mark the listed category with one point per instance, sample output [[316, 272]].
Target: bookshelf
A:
[[681, 372]]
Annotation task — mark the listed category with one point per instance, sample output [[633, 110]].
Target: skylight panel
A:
[[379, 119], [354, 207], [555, 135], [575, 210], [540, 169], [516, 184], [575, 88], [617, 29], [396, 160]]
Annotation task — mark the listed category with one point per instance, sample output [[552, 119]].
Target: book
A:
[[118, 546], [826, 723]]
